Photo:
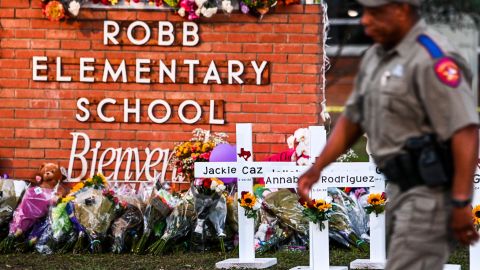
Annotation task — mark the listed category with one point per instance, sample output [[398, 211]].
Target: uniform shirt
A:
[[421, 86]]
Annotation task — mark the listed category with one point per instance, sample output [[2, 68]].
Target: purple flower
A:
[[244, 8]]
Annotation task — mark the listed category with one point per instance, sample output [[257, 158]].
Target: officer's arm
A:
[[344, 135], [465, 153]]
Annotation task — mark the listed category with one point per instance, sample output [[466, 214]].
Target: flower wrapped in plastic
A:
[[158, 207], [232, 211], [284, 205], [340, 224], [210, 206], [55, 233], [130, 220], [358, 220], [178, 225], [8, 204], [33, 207], [198, 149], [94, 210]]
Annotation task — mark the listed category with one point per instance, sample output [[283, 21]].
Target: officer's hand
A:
[[306, 182], [462, 225]]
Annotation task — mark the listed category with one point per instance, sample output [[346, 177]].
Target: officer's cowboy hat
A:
[[377, 3]]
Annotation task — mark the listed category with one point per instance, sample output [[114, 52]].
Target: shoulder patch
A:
[[432, 48], [448, 72]]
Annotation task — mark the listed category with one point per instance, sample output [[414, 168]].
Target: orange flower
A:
[[248, 200], [476, 215], [322, 205], [376, 199]]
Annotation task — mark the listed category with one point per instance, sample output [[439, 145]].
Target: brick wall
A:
[[36, 118]]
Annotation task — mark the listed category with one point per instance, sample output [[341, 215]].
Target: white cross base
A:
[[257, 263]]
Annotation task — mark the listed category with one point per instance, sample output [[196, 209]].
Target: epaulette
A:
[[445, 67], [432, 48]]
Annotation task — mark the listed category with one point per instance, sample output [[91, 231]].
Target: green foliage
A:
[[451, 12]]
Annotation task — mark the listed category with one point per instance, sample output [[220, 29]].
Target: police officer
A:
[[413, 99]]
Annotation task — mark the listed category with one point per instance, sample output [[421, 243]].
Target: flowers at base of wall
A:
[[56, 10]]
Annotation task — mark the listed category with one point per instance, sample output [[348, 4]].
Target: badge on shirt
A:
[[448, 72]]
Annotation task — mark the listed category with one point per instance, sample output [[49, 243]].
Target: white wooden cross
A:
[[280, 175], [244, 170], [475, 249], [341, 174]]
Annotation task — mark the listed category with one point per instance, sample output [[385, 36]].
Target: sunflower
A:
[[248, 200], [322, 205], [476, 215], [376, 199]]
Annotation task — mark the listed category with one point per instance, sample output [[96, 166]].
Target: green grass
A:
[[180, 261]]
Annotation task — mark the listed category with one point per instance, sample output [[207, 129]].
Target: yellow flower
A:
[[248, 200], [67, 199], [322, 205], [476, 215], [77, 187], [104, 180], [375, 199]]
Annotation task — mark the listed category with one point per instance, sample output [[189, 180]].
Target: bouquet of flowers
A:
[[178, 225], [352, 207], [232, 210], [159, 207], [8, 203], [33, 207], [210, 205], [376, 203], [94, 210], [55, 233], [198, 149], [317, 211], [285, 206], [248, 201], [130, 220]]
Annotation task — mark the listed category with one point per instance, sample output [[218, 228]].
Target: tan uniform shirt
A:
[[414, 89]]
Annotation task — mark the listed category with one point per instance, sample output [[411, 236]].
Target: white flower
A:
[[74, 8], [227, 6], [200, 3], [209, 12], [291, 142], [181, 12], [213, 185], [198, 182], [220, 188], [256, 206]]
